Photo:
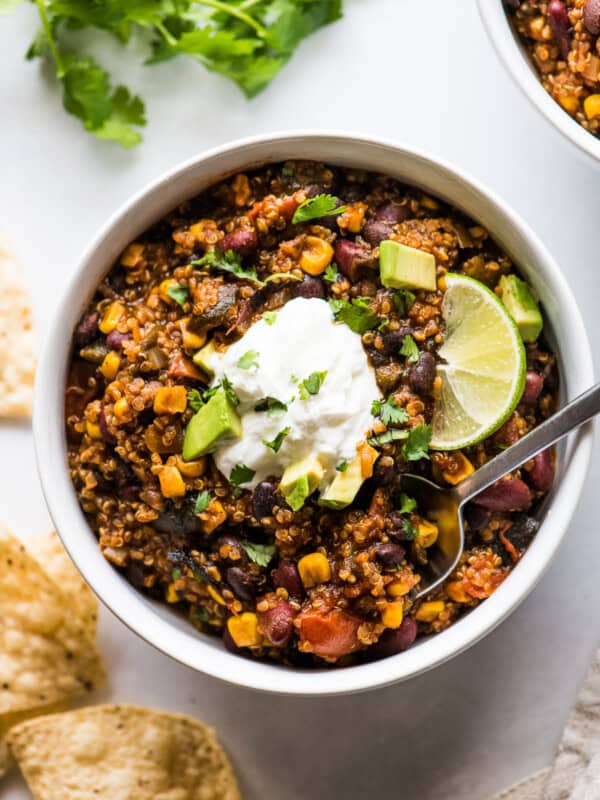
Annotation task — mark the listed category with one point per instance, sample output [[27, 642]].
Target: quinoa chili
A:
[[561, 37], [316, 585]]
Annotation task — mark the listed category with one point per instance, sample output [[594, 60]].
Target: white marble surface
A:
[[420, 71]]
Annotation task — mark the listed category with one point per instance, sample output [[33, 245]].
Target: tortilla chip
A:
[[122, 753], [17, 359], [8, 721], [45, 655], [48, 550]]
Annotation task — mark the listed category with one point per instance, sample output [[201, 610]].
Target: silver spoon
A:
[[445, 506]]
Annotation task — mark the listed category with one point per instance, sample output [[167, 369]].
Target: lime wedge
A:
[[484, 374]]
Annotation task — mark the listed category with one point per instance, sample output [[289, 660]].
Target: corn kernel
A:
[[399, 588], [215, 595], [190, 339], [241, 188], [392, 615], [121, 410], [93, 430], [191, 469], [132, 255], [368, 457], [456, 592], [163, 290], [171, 482], [429, 611], [170, 400], [462, 469], [591, 106], [316, 255], [171, 595], [111, 317], [214, 516], [314, 568], [569, 102], [427, 533], [110, 365], [244, 630]]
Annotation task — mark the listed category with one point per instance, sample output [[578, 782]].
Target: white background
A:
[[418, 71]]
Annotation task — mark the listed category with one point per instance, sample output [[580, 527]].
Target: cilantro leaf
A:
[[249, 360], [357, 314], [202, 502], [417, 444], [228, 261], [407, 504], [199, 614], [389, 411], [272, 406], [331, 273], [227, 387], [241, 474], [175, 574], [288, 276], [410, 349], [323, 205], [276, 443], [270, 317], [261, 554], [312, 384], [195, 401], [387, 437], [178, 293], [403, 300], [410, 532], [342, 466]]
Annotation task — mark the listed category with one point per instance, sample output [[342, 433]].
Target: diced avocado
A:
[[520, 303], [403, 267], [214, 423], [300, 480], [344, 487], [203, 358]]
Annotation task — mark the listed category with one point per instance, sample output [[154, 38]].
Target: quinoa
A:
[[233, 560]]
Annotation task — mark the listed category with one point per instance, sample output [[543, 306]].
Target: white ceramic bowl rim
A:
[[511, 52], [180, 641]]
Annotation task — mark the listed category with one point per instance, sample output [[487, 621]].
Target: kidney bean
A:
[[422, 374], [392, 213], [347, 256], [330, 634], [542, 470], [376, 232], [392, 341], [507, 494], [105, 430], [534, 384], [241, 583], [277, 624], [264, 498], [86, 330], [287, 577], [309, 287], [558, 19], [115, 340], [394, 641], [591, 16], [243, 242], [390, 554]]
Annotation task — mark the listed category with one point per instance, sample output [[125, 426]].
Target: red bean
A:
[[241, 241], [105, 430], [558, 19], [287, 577], [115, 340], [376, 232], [542, 470], [309, 287], [534, 384], [507, 494], [591, 16], [347, 256], [86, 330], [394, 641], [277, 623], [392, 213]]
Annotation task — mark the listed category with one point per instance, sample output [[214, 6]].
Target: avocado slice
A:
[[403, 267], [344, 487], [300, 480], [203, 358], [520, 303], [214, 423]]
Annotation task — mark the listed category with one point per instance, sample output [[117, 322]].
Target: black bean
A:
[[394, 641], [477, 517], [392, 213], [523, 530], [390, 554], [376, 232], [287, 577], [264, 498], [422, 374], [136, 574], [130, 492], [309, 287], [591, 16], [392, 341], [241, 583], [87, 329], [178, 520]]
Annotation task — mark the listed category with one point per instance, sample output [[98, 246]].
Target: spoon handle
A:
[[578, 411]]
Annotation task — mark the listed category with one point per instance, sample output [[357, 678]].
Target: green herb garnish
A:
[[312, 384], [178, 293], [403, 300], [175, 574], [409, 531], [276, 443], [357, 314], [331, 273], [389, 411], [227, 387], [195, 401], [323, 205], [261, 554], [407, 504], [387, 437], [417, 444], [199, 614], [410, 349], [228, 261], [249, 360], [241, 474], [270, 317], [342, 466], [202, 502], [272, 406]]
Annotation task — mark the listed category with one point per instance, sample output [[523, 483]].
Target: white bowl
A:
[[516, 60], [154, 621]]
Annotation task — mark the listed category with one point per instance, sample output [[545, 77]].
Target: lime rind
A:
[[484, 374]]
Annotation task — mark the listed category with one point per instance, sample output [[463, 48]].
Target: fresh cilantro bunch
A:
[[247, 41]]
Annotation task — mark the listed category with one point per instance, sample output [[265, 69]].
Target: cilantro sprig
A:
[[261, 554], [357, 314], [247, 42], [241, 474], [323, 205], [249, 360], [311, 385], [416, 446], [272, 406], [178, 293], [410, 349], [276, 443], [389, 411]]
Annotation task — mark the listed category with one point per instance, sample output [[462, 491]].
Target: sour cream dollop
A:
[[302, 339]]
